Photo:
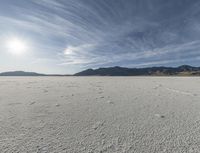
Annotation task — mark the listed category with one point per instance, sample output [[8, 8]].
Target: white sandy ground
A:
[[99, 114]]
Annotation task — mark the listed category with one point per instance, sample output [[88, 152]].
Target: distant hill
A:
[[20, 73], [184, 70], [23, 73]]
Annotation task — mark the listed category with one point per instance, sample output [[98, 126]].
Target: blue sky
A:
[[67, 36]]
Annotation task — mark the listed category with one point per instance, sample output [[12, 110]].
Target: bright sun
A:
[[16, 46]]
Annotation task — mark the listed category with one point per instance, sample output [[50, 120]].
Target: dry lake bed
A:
[[99, 114]]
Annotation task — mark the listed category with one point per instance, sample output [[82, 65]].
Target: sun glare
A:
[[16, 46]]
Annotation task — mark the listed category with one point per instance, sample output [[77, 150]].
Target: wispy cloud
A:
[[83, 34]]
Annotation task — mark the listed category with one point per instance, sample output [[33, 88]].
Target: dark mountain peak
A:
[[86, 72], [117, 67], [187, 68]]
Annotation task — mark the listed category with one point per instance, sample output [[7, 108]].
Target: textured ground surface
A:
[[100, 114]]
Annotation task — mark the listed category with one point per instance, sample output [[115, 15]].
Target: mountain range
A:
[[22, 73], [184, 70]]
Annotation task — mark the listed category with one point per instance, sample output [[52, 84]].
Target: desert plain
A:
[[99, 114]]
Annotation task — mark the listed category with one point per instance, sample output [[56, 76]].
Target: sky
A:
[[67, 36]]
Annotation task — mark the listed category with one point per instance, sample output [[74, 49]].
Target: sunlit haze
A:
[[16, 46]]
